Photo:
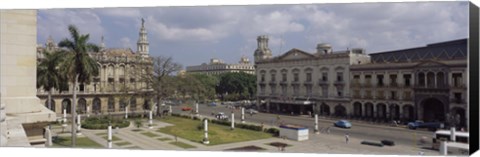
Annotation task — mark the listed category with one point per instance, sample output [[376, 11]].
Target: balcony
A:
[[308, 82], [272, 82], [458, 86], [283, 82], [339, 83], [322, 82], [407, 98], [380, 97], [393, 84], [356, 85], [368, 97], [458, 101], [295, 82]]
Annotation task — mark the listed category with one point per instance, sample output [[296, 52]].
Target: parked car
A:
[[428, 125], [221, 116], [212, 104], [251, 111], [343, 124], [186, 108]]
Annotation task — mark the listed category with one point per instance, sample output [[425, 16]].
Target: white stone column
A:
[[243, 115], [443, 148], [233, 121], [196, 109], [48, 137], [150, 121], [109, 139], [205, 126], [126, 112], [452, 134], [79, 124], [316, 125]]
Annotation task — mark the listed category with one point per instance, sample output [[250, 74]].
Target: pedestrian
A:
[[346, 138]]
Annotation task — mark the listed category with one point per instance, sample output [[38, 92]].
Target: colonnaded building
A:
[[423, 83], [118, 87], [216, 67]]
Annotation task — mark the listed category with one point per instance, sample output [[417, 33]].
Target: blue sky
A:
[[193, 35]]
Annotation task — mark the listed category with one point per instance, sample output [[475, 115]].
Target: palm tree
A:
[[78, 66], [48, 75]]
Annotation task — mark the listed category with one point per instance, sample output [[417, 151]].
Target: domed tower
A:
[[142, 44], [244, 60], [324, 48], [262, 52]]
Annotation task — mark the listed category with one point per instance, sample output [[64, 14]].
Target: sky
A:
[[194, 35]]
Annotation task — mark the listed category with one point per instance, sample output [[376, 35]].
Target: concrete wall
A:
[[18, 40]]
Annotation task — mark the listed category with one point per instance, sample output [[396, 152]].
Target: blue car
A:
[[343, 124], [212, 104]]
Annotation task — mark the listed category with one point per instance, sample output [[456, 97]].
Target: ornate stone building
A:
[[424, 83], [118, 87], [216, 67], [299, 82]]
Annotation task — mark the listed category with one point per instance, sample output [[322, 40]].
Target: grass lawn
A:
[[217, 134], [149, 134], [182, 145], [114, 138], [164, 139], [122, 143], [82, 142], [101, 133]]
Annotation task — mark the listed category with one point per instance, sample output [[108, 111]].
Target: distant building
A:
[[299, 82], [118, 86], [217, 66], [422, 83]]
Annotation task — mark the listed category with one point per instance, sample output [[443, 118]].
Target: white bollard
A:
[[170, 109], [88, 111], [205, 125], [316, 125], [65, 117], [79, 124], [150, 121], [233, 121], [196, 109], [443, 148], [48, 136], [109, 139], [243, 115], [126, 112], [452, 134]]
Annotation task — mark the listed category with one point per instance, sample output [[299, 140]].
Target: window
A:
[[82, 87], [368, 94], [110, 80], [273, 89], [457, 79], [325, 76], [295, 77], [393, 95], [325, 92], [295, 90], [284, 77], [458, 97], [406, 95], [262, 89], [356, 79], [272, 77], [393, 80], [368, 79], [132, 80], [284, 90], [407, 78], [380, 80], [339, 76], [262, 78], [309, 77], [121, 80], [309, 90]]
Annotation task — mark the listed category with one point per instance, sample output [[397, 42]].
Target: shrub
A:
[[102, 122], [273, 131]]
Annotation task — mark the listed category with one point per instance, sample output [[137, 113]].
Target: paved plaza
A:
[[149, 139]]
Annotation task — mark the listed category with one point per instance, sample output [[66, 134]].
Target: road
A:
[[366, 131]]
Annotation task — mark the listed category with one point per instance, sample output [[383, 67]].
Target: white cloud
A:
[[126, 42], [55, 23]]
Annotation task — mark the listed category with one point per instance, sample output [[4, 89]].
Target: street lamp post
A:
[[243, 115], [109, 138], [79, 124], [150, 121], [316, 124]]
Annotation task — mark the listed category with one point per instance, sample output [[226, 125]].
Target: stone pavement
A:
[[317, 143]]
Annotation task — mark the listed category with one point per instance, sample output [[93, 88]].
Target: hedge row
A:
[[102, 122], [273, 131]]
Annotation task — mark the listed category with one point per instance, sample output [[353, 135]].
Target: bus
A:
[[461, 138]]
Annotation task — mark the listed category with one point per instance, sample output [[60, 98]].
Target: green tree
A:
[[48, 75], [240, 85], [78, 66]]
